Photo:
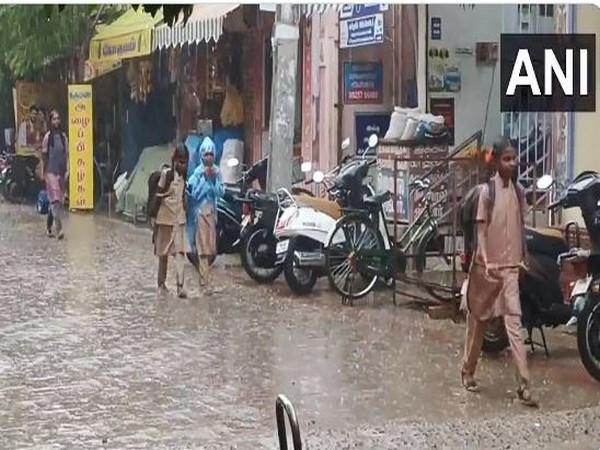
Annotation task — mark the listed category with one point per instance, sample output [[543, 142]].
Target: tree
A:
[[32, 36]]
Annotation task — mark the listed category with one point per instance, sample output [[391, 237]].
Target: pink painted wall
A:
[[327, 75]]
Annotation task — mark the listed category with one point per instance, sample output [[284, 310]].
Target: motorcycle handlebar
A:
[[574, 253]]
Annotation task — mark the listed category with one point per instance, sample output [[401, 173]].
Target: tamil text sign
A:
[[361, 25], [363, 82], [81, 152], [367, 124], [548, 72]]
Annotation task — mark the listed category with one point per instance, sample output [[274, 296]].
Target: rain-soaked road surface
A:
[[92, 357]]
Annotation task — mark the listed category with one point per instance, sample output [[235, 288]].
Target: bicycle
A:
[[360, 244]]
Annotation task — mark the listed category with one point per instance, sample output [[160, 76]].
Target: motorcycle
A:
[[304, 224], [18, 178], [258, 243], [584, 192], [257, 248]]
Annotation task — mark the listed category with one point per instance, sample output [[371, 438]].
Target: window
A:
[[546, 10]]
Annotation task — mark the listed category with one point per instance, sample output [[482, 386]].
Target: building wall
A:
[[484, 24], [327, 89], [586, 130], [383, 52], [320, 140]]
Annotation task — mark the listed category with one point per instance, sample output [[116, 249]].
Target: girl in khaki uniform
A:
[[170, 238], [205, 187], [493, 285]]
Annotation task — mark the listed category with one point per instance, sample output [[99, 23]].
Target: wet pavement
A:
[[92, 357]]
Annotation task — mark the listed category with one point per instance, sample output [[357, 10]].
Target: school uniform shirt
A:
[[171, 210]]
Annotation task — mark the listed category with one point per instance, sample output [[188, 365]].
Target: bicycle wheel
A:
[[348, 257]]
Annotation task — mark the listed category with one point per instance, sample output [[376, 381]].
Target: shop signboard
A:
[[444, 106], [367, 124], [32, 123], [363, 82], [361, 25], [81, 154]]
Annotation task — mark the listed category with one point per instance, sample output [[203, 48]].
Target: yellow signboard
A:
[[118, 48], [81, 151]]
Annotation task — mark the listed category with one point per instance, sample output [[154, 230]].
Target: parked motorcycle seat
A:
[[545, 240], [329, 207]]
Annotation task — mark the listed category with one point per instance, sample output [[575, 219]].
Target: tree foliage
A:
[[170, 12], [33, 35]]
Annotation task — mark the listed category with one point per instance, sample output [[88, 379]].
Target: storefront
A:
[[129, 112], [218, 61]]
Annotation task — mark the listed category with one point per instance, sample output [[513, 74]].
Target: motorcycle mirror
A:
[[306, 166], [373, 141], [544, 182], [233, 162], [345, 143], [318, 176]]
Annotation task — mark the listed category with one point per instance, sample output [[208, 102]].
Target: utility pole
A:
[[283, 97]]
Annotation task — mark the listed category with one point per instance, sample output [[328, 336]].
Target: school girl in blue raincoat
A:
[[204, 188]]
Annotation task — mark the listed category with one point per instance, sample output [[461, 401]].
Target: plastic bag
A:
[[232, 112], [43, 203]]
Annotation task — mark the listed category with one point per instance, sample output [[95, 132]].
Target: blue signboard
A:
[[361, 24], [363, 82], [367, 124], [361, 31], [353, 11]]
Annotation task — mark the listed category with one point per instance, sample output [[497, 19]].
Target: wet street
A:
[[92, 357]]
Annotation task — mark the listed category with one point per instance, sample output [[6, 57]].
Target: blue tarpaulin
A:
[[194, 141]]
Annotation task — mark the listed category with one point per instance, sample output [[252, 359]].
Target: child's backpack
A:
[[154, 200], [43, 202], [467, 215]]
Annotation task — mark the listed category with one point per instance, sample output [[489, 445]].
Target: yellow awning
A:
[[129, 36]]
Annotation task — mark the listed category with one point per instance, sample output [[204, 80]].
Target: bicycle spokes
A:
[[355, 259]]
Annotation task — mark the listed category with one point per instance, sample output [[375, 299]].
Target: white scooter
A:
[[303, 229]]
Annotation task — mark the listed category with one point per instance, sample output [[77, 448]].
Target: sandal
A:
[[468, 381], [181, 293], [527, 398]]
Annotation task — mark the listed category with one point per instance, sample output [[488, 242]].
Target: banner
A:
[[81, 152], [33, 103]]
